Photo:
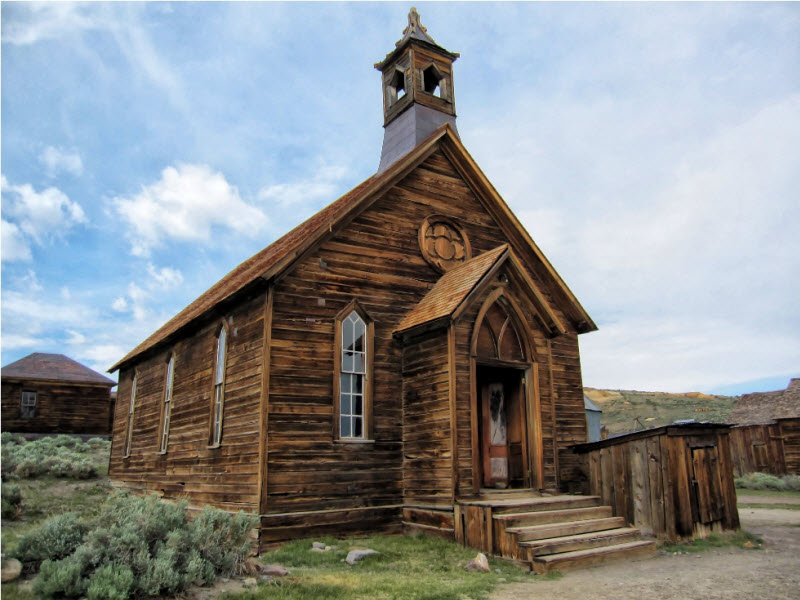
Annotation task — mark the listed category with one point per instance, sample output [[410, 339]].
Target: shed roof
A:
[[764, 407], [53, 367], [281, 254]]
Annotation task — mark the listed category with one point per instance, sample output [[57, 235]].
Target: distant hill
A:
[[621, 408]]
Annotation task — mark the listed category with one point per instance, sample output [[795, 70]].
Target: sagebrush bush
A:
[[11, 500], [765, 481], [53, 540], [58, 456], [144, 547]]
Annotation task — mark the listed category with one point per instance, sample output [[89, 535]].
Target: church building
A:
[[407, 358]]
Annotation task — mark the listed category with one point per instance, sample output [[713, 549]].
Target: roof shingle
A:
[[54, 367]]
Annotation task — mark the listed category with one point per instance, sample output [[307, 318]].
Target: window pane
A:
[[347, 362], [345, 404], [347, 334], [358, 362], [168, 386], [358, 403], [345, 383], [357, 427], [344, 427], [358, 384], [220, 356], [359, 334]]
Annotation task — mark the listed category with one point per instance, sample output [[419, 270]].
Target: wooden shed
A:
[[405, 353], [50, 393], [765, 437], [671, 482]]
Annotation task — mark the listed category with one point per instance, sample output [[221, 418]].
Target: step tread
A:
[[543, 501], [577, 554], [567, 513], [578, 537], [604, 523]]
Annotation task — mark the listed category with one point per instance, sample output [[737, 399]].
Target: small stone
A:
[[319, 545], [749, 544], [12, 569], [274, 570], [224, 580], [498, 571], [249, 582], [502, 580], [265, 579], [356, 555], [480, 563], [317, 550]]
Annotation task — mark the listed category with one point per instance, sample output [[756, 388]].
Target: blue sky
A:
[[650, 149]]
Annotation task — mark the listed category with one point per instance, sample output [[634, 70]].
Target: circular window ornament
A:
[[443, 243]]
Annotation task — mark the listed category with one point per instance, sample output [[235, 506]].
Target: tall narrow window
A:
[[27, 407], [352, 380], [167, 408], [129, 436], [219, 389]]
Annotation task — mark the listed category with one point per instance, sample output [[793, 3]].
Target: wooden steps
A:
[[558, 532]]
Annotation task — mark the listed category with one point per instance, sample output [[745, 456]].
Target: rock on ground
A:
[[12, 569], [356, 555], [479, 563]]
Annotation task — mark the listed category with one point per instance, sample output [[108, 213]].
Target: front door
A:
[[495, 435]]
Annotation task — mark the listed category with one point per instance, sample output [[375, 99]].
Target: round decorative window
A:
[[443, 243]]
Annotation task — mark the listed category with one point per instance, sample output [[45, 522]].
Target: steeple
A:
[[418, 95]]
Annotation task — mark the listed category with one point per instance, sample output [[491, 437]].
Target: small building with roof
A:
[[51, 393], [766, 433]]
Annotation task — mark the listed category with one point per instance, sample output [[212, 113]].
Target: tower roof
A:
[[415, 30]]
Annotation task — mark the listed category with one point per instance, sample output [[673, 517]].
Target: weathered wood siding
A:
[[769, 448], [671, 482], [60, 408], [224, 476], [427, 447], [790, 431], [570, 414]]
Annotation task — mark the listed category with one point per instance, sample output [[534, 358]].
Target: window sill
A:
[[353, 441], [214, 446], [162, 453]]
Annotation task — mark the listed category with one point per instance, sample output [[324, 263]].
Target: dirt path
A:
[[728, 574]]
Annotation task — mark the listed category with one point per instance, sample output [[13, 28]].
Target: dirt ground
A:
[[731, 573]]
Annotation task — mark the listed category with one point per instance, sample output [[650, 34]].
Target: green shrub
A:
[[58, 456], [144, 547], [111, 582], [12, 500], [792, 482], [760, 481], [53, 540]]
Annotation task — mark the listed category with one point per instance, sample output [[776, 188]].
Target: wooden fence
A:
[[672, 482], [769, 448]]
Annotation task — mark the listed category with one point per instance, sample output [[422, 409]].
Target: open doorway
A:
[[501, 424]]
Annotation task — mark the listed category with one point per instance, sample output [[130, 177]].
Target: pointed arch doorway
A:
[[507, 437]]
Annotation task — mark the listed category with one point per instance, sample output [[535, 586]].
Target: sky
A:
[[651, 150]]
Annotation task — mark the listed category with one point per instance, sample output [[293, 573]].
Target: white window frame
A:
[[218, 398], [129, 433], [167, 406], [27, 404]]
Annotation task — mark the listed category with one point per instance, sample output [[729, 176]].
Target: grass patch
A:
[[15, 591], [788, 495], [406, 568], [772, 505], [550, 576], [738, 539]]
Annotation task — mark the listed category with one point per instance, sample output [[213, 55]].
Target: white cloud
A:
[[75, 338], [188, 204], [120, 304], [48, 20], [14, 245], [57, 161], [13, 341], [164, 278], [37, 217]]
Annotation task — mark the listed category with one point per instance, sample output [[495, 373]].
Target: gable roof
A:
[[53, 367], [765, 407], [451, 290], [450, 295], [284, 252]]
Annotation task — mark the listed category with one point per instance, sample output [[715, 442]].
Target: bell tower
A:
[[418, 94]]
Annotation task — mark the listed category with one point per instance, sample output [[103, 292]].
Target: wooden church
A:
[[407, 358]]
